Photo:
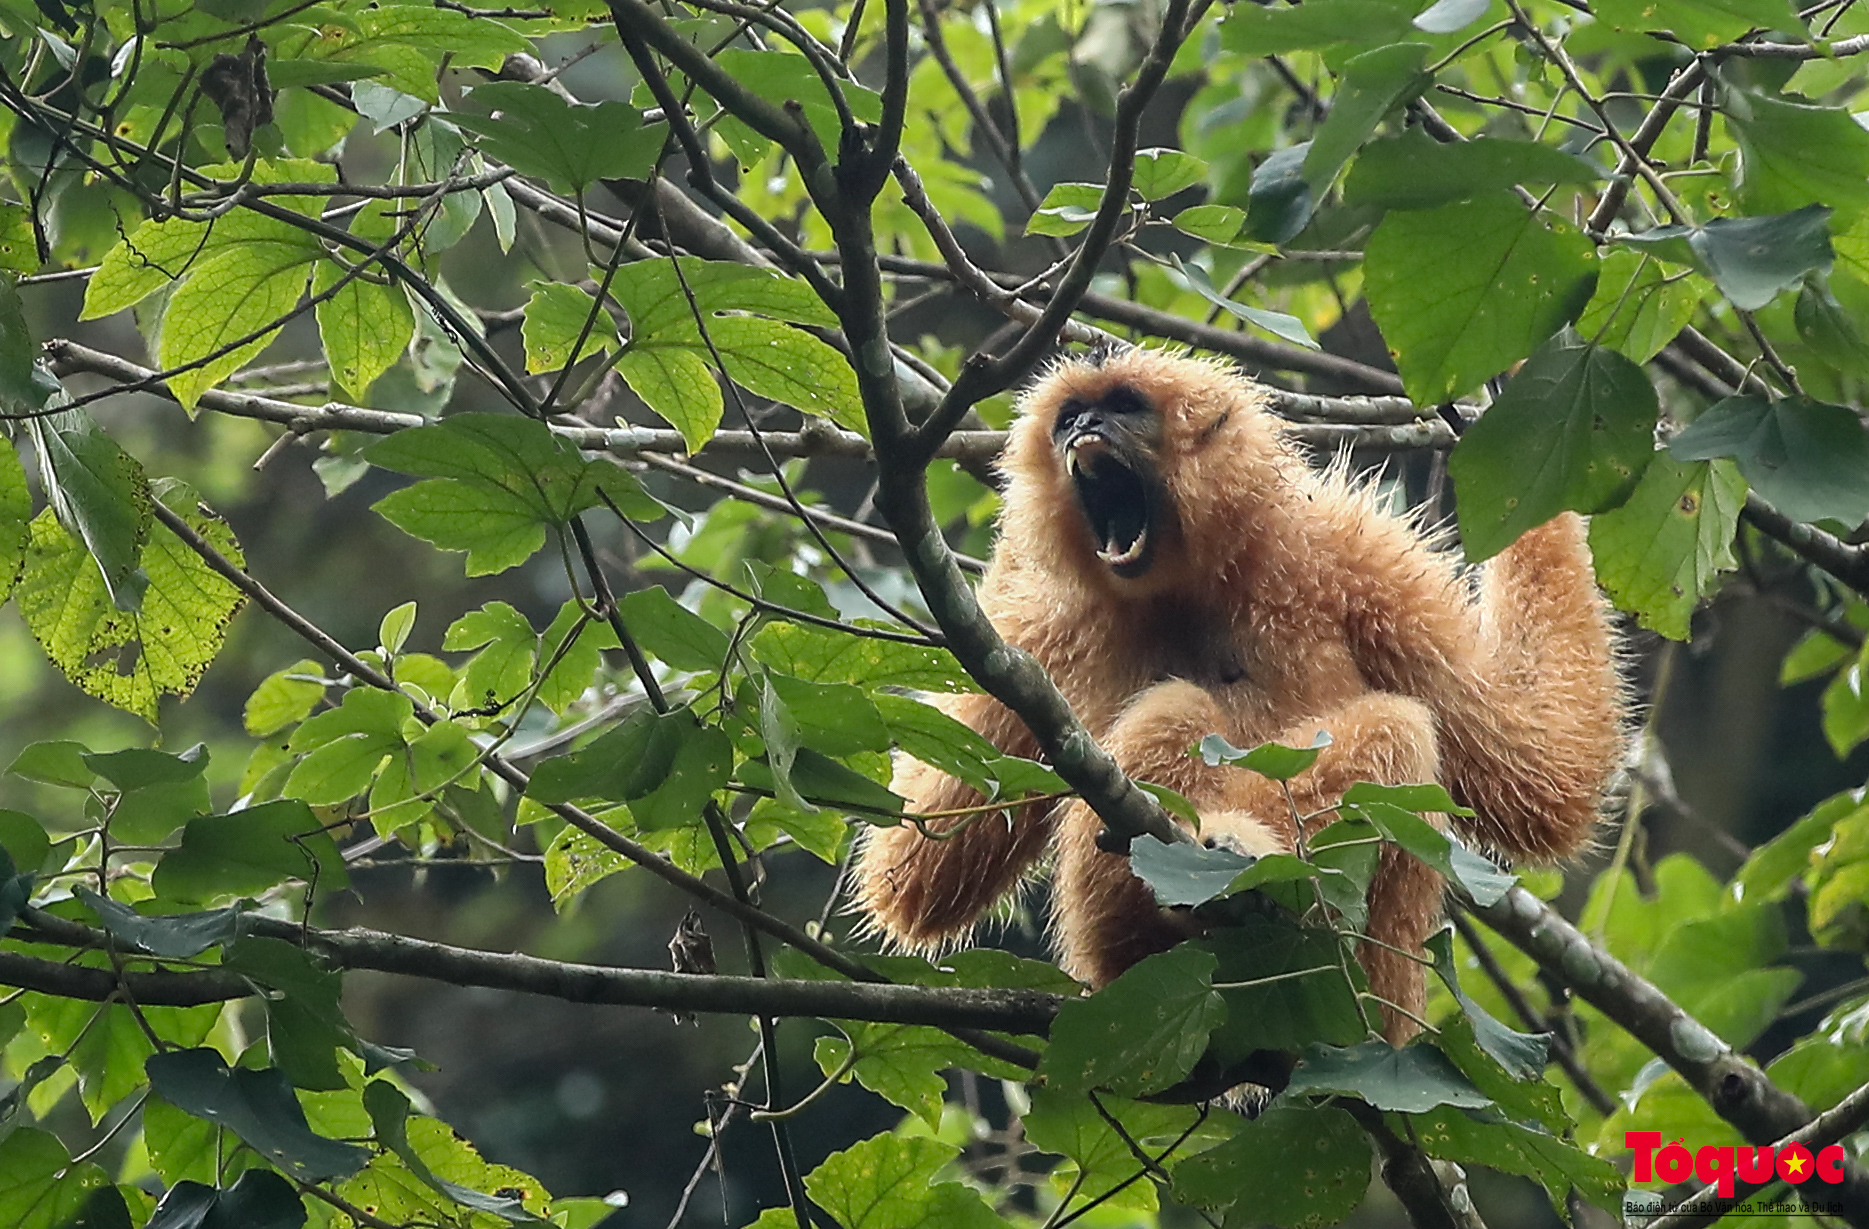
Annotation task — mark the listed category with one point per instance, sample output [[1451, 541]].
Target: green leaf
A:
[[258, 1106], [159, 792], [902, 1063], [1414, 171], [1269, 30], [826, 656], [246, 852], [538, 131], [1066, 209], [1700, 24], [178, 936], [1574, 429], [389, 1114], [1372, 85], [1101, 1158], [19, 253], [27, 386], [55, 762], [1410, 1080], [556, 315], [1829, 330], [1769, 872], [1662, 551], [242, 289], [25, 840], [1185, 873], [149, 258], [39, 1186], [1750, 259], [1280, 200], [501, 671], [659, 307], [1219, 224], [1142, 1032], [365, 326], [1808, 458], [789, 366], [99, 494], [925, 733], [1463, 291], [258, 1199], [1639, 307], [1791, 155], [492, 483], [304, 1024], [1277, 323], [130, 659], [1521, 1056], [825, 782], [577, 661], [1449, 1134], [1320, 1175], [15, 519], [677, 382], [887, 1182], [1284, 985], [672, 632], [1271, 760], [781, 77], [1160, 173]]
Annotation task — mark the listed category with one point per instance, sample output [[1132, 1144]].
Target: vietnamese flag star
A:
[[1796, 1166]]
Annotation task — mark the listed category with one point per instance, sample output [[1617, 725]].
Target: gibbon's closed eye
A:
[[1203, 578]]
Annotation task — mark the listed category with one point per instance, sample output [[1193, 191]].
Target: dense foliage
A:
[[1543, 254]]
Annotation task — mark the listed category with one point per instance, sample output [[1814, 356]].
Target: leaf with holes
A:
[[130, 659], [1663, 550]]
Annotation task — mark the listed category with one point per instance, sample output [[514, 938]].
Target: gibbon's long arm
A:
[[1180, 570]]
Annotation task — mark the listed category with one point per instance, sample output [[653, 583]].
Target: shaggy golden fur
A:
[[1279, 601]]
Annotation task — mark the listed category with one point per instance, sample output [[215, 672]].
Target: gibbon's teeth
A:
[[1084, 448], [1128, 555]]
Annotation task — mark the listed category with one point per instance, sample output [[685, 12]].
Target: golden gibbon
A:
[[1180, 570]]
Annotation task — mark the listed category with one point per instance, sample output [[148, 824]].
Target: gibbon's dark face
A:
[[1109, 446]]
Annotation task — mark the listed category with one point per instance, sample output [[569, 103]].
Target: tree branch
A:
[[1015, 1011], [1737, 1090]]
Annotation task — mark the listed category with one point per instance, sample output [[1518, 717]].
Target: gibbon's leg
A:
[[1107, 919], [920, 893]]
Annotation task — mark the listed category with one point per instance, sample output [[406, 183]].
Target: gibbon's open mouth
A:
[[1115, 502]]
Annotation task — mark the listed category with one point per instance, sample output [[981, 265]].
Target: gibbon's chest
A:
[[1268, 666]]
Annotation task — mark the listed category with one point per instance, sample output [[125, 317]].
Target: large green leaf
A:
[[1373, 84], [39, 1186], [365, 326], [492, 483], [1700, 24], [1750, 259], [1464, 291], [1101, 1155], [1411, 1080], [242, 289], [539, 132], [1810, 459], [246, 852], [258, 1106], [1269, 29], [556, 316], [1414, 171], [1574, 429], [99, 494], [1639, 306], [130, 659], [1793, 155], [1662, 551], [1142, 1032], [1292, 1166]]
